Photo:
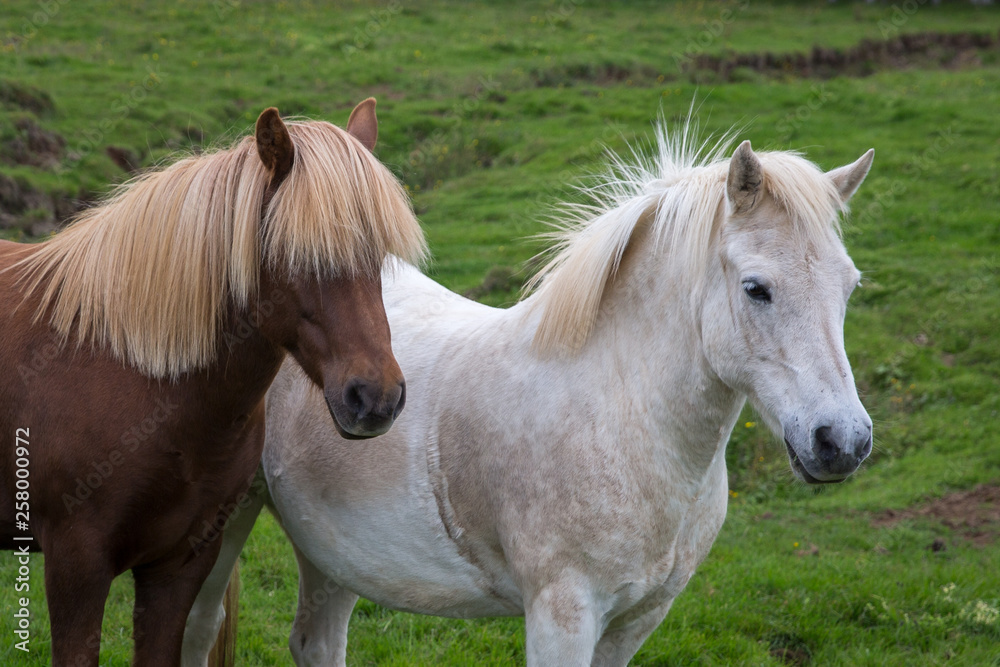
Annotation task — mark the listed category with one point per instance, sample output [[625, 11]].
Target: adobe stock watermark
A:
[[425, 151], [93, 137], [600, 144], [212, 531], [959, 298], [50, 349], [559, 16], [22, 519], [100, 471], [710, 32], [246, 326], [818, 96], [47, 10], [40, 359], [901, 13], [378, 21], [899, 187], [223, 8]]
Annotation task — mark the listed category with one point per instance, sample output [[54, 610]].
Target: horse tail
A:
[[224, 652]]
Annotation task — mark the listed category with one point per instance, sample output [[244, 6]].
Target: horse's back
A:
[[411, 298]]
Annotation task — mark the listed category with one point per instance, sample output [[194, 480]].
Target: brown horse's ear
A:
[[274, 144], [363, 124]]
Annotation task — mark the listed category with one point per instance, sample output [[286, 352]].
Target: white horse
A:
[[564, 458]]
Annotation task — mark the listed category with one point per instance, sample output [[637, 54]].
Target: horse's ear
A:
[[848, 178], [744, 181], [363, 124], [274, 144]]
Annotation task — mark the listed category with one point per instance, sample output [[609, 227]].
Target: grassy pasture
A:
[[488, 112]]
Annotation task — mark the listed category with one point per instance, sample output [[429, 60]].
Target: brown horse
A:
[[137, 345]]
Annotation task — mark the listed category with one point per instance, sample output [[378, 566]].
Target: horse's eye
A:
[[756, 291]]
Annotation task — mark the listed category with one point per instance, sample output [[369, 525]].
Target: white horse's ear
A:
[[848, 178], [744, 181]]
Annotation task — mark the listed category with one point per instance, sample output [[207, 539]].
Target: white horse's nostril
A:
[[824, 445], [864, 445], [839, 451]]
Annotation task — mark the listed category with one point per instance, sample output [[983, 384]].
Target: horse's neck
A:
[[247, 360], [648, 338]]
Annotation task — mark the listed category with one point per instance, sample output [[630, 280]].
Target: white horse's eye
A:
[[756, 291]]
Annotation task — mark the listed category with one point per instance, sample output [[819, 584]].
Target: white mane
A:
[[679, 191]]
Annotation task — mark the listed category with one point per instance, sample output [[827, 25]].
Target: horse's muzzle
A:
[[365, 410], [833, 453]]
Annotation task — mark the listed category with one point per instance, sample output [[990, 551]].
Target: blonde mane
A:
[[150, 273], [679, 192]]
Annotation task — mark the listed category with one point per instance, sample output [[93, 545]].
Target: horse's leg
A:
[[76, 590], [208, 613], [164, 594], [619, 644], [319, 633], [561, 626]]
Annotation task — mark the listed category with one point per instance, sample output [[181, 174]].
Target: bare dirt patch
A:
[[925, 49], [33, 145], [972, 514]]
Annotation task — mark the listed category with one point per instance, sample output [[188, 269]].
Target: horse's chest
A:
[[689, 541]]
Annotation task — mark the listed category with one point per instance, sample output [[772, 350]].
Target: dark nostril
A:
[[865, 448], [355, 398], [402, 400], [824, 445], [366, 400]]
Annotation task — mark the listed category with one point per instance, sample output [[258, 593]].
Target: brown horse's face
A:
[[337, 330], [334, 327]]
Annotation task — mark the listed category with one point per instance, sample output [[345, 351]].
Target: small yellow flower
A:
[[795, 544], [750, 424]]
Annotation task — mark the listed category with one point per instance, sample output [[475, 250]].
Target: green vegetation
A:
[[489, 111]]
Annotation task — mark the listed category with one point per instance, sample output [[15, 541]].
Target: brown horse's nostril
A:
[[402, 399], [360, 398], [365, 399]]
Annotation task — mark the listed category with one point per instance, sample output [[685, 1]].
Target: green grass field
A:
[[489, 112]]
